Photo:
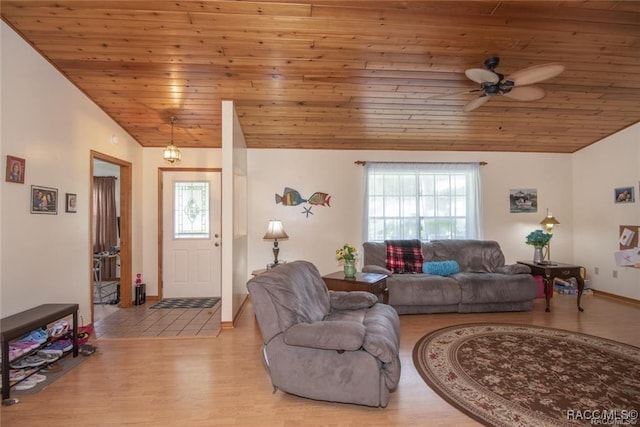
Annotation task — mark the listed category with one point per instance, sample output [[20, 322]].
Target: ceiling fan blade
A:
[[480, 76], [446, 95], [535, 74], [527, 93], [475, 103]]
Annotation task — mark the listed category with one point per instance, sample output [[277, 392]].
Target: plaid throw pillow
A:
[[404, 256]]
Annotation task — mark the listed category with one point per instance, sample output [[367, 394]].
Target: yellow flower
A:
[[347, 252]]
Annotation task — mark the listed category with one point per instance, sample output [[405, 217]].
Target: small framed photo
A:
[[624, 195], [71, 203], [15, 170], [44, 200]]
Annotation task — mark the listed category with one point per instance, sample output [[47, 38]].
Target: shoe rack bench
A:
[[22, 323]]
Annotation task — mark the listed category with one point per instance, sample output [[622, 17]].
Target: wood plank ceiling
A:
[[345, 74]]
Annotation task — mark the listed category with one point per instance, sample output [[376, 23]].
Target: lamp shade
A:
[[549, 221], [275, 231]]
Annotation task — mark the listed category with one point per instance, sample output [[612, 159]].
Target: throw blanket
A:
[[404, 256]]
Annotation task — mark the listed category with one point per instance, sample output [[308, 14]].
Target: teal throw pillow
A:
[[441, 268]]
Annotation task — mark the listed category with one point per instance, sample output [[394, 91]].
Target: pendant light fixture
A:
[[171, 153]]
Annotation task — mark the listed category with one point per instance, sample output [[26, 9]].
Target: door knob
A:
[[216, 235], [217, 244]]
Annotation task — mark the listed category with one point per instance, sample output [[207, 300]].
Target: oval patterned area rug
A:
[[519, 375]]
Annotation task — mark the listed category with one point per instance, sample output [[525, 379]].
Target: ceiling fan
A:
[[516, 86]]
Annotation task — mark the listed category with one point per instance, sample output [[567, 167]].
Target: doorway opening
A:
[[110, 213]]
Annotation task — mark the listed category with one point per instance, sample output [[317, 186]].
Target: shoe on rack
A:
[[34, 361], [49, 357], [39, 335], [51, 351], [16, 374], [62, 345], [25, 384], [15, 352], [58, 329], [52, 369], [26, 344], [38, 377], [19, 364]]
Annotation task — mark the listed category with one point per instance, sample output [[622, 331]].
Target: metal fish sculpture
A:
[[319, 198], [290, 197]]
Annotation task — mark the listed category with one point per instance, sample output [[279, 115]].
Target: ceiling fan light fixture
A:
[[493, 83], [171, 154]]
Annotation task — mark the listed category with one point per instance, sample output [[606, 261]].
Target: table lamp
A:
[[548, 222], [275, 232]]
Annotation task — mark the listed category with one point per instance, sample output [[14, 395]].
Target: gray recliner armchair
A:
[[338, 346]]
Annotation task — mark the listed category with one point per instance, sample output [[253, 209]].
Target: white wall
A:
[[51, 124], [316, 237], [234, 236], [597, 170]]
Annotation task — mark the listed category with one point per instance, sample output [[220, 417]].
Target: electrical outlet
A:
[[596, 270], [615, 274]]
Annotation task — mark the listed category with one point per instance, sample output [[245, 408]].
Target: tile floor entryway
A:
[[143, 322]]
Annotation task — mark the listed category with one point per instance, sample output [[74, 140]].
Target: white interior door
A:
[[192, 257]]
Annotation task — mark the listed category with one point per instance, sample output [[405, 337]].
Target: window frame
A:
[[459, 199]]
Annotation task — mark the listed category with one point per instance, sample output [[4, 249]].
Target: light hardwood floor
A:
[[221, 380]]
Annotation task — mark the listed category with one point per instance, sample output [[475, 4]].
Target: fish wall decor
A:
[[291, 197], [320, 199]]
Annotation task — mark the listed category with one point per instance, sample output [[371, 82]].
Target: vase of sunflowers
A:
[[348, 255]]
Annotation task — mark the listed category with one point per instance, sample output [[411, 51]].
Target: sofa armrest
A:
[[356, 300], [326, 335], [514, 269], [376, 269]]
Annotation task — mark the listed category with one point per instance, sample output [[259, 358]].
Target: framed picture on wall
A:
[[624, 195], [15, 170], [71, 203], [523, 200], [44, 200]]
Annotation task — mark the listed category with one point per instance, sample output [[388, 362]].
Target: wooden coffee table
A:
[[369, 282]]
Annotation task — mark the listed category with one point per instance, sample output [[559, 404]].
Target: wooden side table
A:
[[559, 270], [369, 282]]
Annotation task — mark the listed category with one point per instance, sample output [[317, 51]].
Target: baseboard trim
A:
[[232, 324], [616, 297]]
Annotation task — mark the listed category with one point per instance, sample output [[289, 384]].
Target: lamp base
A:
[[275, 264]]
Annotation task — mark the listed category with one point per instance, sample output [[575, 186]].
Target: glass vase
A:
[[349, 268]]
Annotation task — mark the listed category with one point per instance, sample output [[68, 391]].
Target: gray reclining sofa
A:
[[483, 284]]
